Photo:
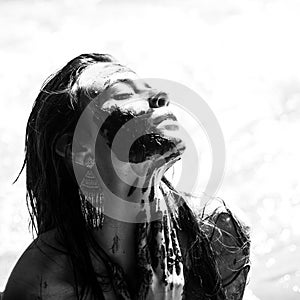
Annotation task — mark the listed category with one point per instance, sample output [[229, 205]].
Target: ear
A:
[[72, 151], [63, 145]]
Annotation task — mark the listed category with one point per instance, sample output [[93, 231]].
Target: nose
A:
[[158, 100]]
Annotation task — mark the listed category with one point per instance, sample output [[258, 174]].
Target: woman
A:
[[74, 173]]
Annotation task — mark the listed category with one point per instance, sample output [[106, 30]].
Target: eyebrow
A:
[[131, 82]]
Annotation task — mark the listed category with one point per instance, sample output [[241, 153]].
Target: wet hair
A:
[[52, 196], [54, 201]]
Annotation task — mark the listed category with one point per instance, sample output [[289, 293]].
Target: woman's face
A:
[[130, 112]]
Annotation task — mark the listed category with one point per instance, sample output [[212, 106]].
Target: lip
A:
[[167, 117], [169, 124]]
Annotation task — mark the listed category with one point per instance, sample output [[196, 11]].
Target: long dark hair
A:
[[52, 195], [53, 199]]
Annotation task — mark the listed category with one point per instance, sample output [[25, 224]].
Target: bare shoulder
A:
[[42, 272], [214, 213], [229, 236]]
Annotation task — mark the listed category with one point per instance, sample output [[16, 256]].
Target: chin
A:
[[156, 147]]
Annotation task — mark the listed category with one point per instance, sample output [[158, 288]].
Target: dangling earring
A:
[[92, 203]]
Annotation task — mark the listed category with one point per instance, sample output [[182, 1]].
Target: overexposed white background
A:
[[241, 56]]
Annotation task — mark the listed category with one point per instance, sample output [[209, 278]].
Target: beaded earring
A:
[[93, 197]]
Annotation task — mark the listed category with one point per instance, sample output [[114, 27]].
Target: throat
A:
[[119, 239]]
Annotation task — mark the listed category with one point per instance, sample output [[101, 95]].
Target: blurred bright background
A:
[[242, 57]]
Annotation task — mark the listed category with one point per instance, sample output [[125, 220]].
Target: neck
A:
[[118, 238]]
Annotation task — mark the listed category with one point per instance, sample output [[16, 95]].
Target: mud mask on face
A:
[[133, 131]]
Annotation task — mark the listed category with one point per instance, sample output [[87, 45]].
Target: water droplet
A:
[[270, 262], [285, 278], [296, 289]]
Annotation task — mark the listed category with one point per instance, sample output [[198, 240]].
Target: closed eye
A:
[[122, 96], [121, 91]]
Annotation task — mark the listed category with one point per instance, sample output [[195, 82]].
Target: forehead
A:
[[100, 75]]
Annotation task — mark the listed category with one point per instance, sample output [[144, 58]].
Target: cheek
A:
[[136, 106], [109, 104], [133, 105]]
